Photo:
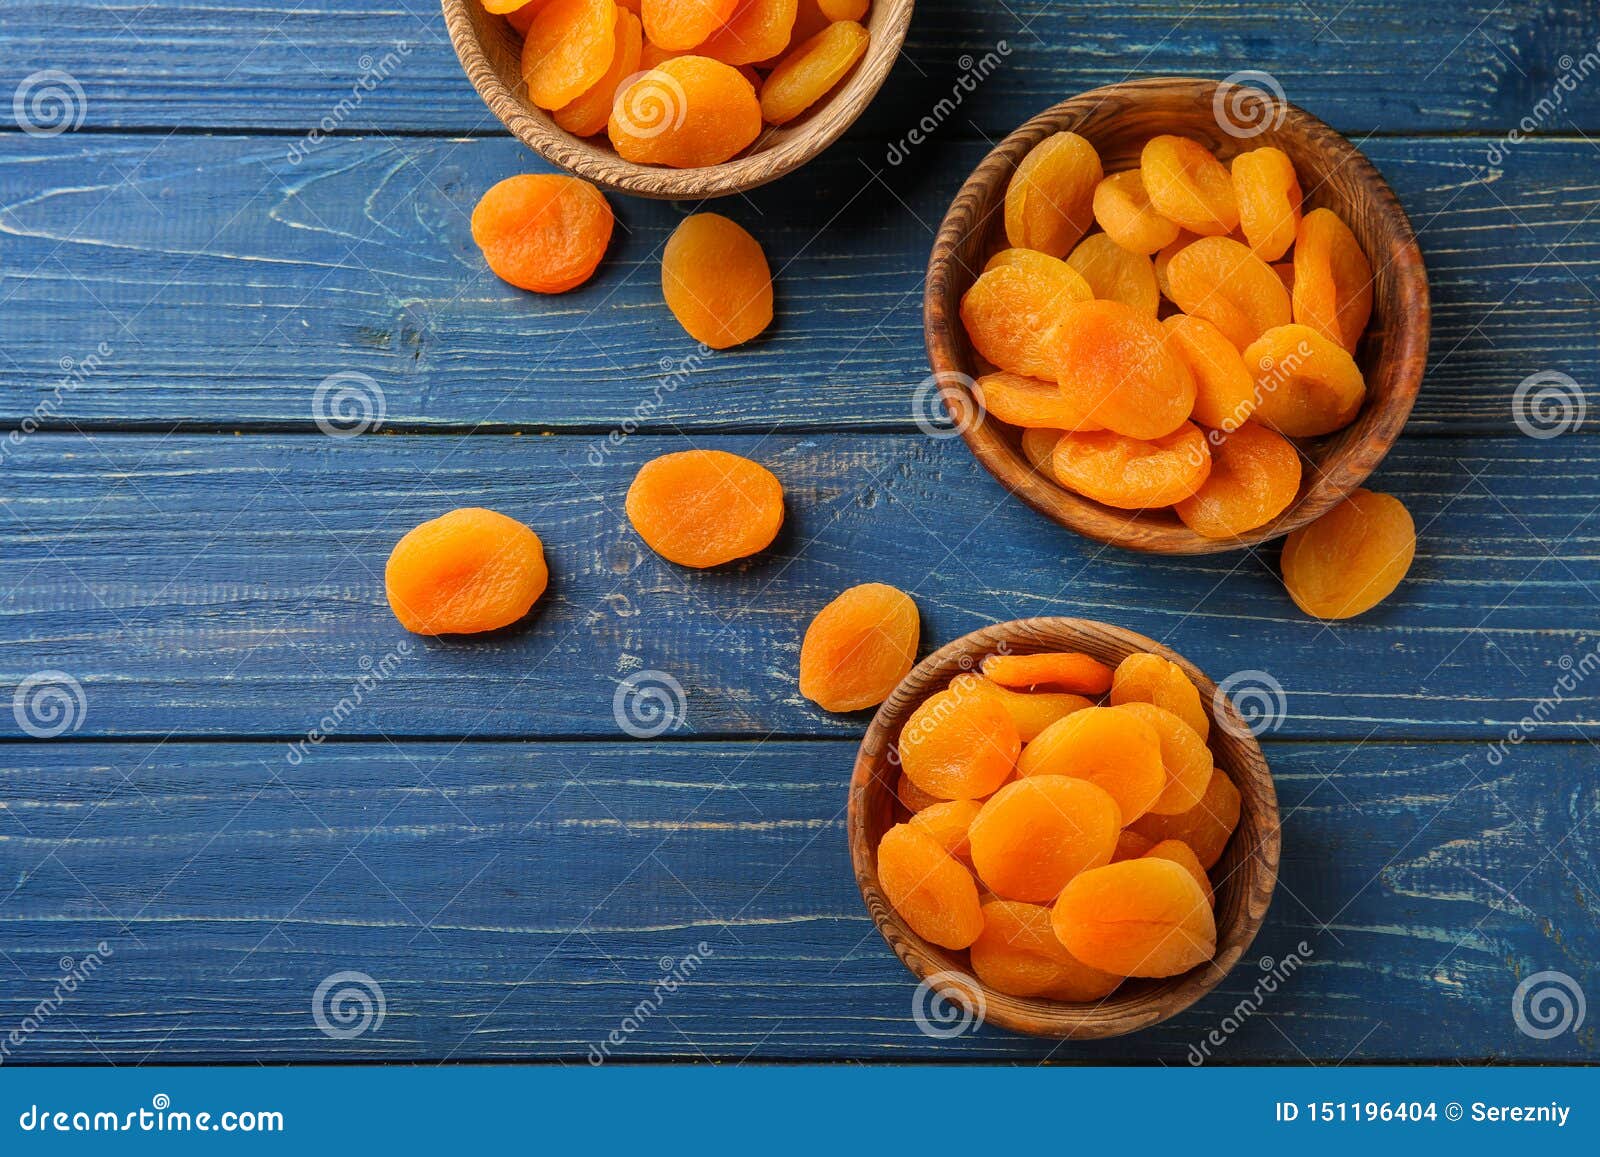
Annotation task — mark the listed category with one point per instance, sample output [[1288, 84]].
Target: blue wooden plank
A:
[[521, 900], [1367, 65], [233, 586], [227, 284]]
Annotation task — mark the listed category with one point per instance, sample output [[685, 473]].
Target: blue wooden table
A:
[[191, 570]]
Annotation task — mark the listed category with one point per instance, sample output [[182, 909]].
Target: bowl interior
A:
[[1229, 120], [1244, 876], [491, 52]]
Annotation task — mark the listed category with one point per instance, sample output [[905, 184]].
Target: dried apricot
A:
[[685, 112], [1285, 272], [912, 797], [1032, 712], [1038, 446], [702, 508], [1018, 954], [809, 72], [930, 890], [1204, 827], [948, 822], [1052, 270], [1305, 383], [1131, 474], [1123, 209], [716, 281], [1147, 678], [1012, 314], [1028, 402], [680, 25], [520, 17], [1106, 746], [843, 9], [466, 571], [1332, 279], [1255, 474], [1144, 917], [1351, 559], [757, 30], [1034, 835], [1222, 281], [1114, 363], [567, 50], [1268, 193], [1131, 845], [1183, 753], [1050, 200], [959, 746], [859, 647], [1069, 670], [1183, 855], [1188, 185], [588, 114], [1164, 258], [543, 232], [1115, 274], [1224, 394]]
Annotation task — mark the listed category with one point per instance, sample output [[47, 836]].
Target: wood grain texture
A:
[[1370, 65], [517, 901], [1117, 121], [233, 586], [1245, 875]]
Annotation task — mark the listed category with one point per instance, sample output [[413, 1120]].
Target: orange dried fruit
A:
[[1115, 274], [1050, 200], [948, 822], [1305, 383], [912, 797], [859, 647], [1039, 447], [757, 30], [1147, 678], [1034, 835], [1032, 712], [1123, 209], [1183, 855], [686, 112], [1204, 827], [1352, 558], [716, 281], [1114, 363], [1220, 280], [1255, 475], [1164, 258], [1106, 746], [520, 17], [1189, 186], [843, 9], [1131, 845], [1183, 753], [1332, 279], [679, 25], [567, 50], [543, 232], [1144, 917], [1068, 670], [466, 571], [588, 114], [959, 746], [1028, 402], [1018, 954], [1052, 270], [1012, 314], [930, 890], [1132, 474], [1268, 193], [1224, 388], [702, 508], [809, 72]]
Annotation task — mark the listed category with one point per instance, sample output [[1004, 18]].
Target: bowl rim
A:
[[1257, 866], [741, 174], [1355, 461]]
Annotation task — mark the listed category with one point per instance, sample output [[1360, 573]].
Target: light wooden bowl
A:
[[1244, 876], [1118, 120], [490, 51]]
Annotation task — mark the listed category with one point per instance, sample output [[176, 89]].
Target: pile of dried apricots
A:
[[682, 83], [1063, 841]]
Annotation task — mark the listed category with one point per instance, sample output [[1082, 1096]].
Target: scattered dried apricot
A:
[[928, 887], [1224, 393], [1050, 200], [1018, 953], [1069, 670], [1146, 678], [1204, 827], [809, 72], [567, 50], [1115, 274], [686, 112], [1268, 192], [588, 114], [1332, 279], [1123, 209], [1034, 835], [1107, 746], [1305, 383], [716, 281], [959, 747], [1220, 280], [1114, 363], [1352, 558], [1255, 474], [543, 232], [859, 647], [1144, 917], [466, 571], [1131, 474], [702, 508], [679, 25], [1189, 186]]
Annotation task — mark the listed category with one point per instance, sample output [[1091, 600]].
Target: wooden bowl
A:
[[1245, 875], [1118, 120], [491, 51]]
